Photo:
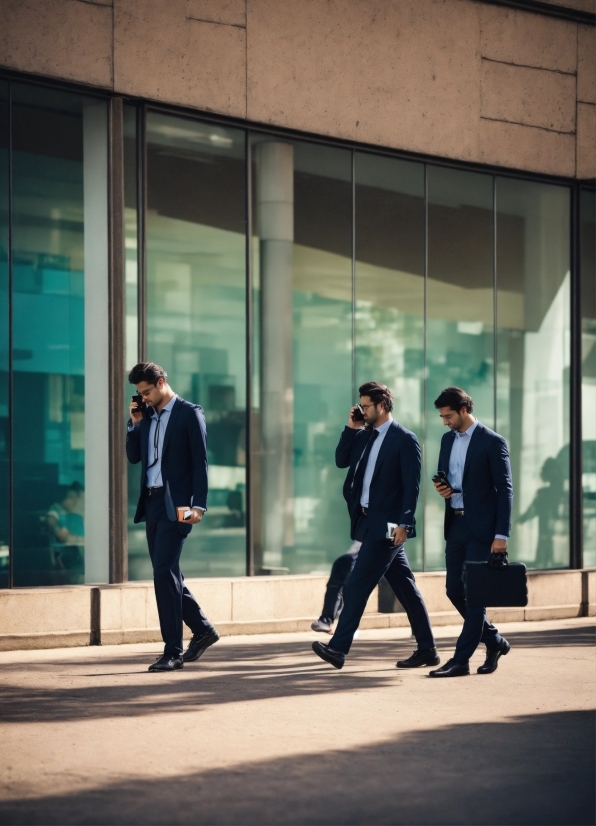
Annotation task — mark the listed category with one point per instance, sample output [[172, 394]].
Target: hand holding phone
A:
[[440, 479], [356, 417]]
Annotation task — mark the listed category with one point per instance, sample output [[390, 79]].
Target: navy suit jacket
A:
[[395, 483], [183, 461], [487, 485]]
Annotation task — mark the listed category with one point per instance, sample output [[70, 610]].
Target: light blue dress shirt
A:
[[457, 463], [372, 461], [154, 479]]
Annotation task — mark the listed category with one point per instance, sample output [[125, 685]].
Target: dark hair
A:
[[378, 394], [147, 371], [455, 398]]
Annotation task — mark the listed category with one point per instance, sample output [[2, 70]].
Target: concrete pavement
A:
[[260, 731]]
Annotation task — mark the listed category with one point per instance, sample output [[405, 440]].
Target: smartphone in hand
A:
[[440, 478]]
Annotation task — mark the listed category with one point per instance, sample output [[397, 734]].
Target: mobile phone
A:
[[141, 405], [441, 478], [357, 414]]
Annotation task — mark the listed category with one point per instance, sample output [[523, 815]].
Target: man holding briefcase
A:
[[474, 479]]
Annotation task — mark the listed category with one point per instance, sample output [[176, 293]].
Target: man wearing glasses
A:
[[381, 490], [169, 437]]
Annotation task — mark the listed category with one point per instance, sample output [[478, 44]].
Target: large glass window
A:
[[460, 315], [389, 311], [303, 270], [4, 341], [588, 301], [59, 299], [533, 356], [196, 317]]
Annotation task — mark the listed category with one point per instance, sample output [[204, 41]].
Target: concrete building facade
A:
[[279, 201]]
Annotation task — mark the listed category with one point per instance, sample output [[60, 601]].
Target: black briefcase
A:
[[497, 583]]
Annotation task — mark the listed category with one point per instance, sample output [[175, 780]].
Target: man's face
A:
[[152, 393], [371, 411], [451, 418], [69, 502]]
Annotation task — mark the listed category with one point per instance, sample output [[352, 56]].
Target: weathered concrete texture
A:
[[524, 39], [162, 54], [62, 39], [586, 64], [228, 12], [261, 731], [532, 97], [586, 140], [395, 74], [553, 153]]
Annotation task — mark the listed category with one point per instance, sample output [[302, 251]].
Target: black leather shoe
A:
[[492, 657], [330, 655], [198, 645], [451, 669], [167, 663], [425, 656]]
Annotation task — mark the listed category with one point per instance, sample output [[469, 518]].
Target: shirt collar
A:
[[168, 406], [468, 432], [384, 427]]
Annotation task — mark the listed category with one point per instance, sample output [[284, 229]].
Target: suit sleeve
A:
[[410, 460], [197, 434], [133, 445], [501, 473], [343, 452]]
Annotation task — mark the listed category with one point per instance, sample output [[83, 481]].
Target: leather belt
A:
[[154, 491], [458, 511]]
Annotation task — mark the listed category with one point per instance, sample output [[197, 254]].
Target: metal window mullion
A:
[[250, 556], [424, 367], [10, 357], [142, 233], [575, 390]]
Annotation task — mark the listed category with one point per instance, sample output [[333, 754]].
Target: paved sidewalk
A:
[[260, 731]]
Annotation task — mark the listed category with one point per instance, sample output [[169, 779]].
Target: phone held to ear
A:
[[440, 478], [141, 405], [357, 414]]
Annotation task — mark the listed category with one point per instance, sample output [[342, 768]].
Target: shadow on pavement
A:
[[121, 687], [536, 770]]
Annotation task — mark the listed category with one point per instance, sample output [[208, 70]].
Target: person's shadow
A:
[[546, 506]]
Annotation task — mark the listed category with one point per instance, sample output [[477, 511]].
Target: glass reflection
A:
[[460, 315], [389, 312], [50, 175], [588, 300], [196, 311], [4, 342], [303, 251], [533, 281]]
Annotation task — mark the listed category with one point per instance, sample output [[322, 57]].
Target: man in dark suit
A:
[[381, 490], [169, 438], [478, 495]]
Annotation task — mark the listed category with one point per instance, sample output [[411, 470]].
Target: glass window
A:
[[59, 166], [588, 300], [4, 341], [460, 315], [533, 341], [303, 271], [389, 312], [196, 317]]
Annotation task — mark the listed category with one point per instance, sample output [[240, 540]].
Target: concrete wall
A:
[[114, 614], [452, 78]]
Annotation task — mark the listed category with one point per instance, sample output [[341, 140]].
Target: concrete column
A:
[[275, 217], [97, 389]]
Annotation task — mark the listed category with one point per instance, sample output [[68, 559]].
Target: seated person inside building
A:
[[65, 525]]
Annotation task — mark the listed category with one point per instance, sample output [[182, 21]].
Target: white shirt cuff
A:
[[500, 536]]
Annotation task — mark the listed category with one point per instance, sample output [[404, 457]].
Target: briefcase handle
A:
[[498, 560]]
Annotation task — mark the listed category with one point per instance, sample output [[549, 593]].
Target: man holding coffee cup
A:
[[168, 436]]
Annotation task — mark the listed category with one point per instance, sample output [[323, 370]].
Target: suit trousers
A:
[[340, 574], [462, 546], [377, 559], [175, 603]]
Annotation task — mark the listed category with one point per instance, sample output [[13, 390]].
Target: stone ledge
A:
[[115, 614]]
